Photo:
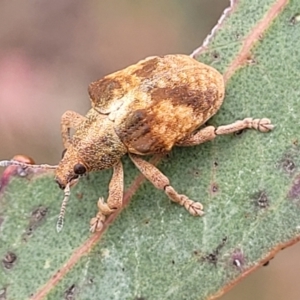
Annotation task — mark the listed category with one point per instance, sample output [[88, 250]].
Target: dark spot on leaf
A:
[[237, 35], [294, 192], [70, 292], [251, 60], [36, 219], [212, 258], [261, 199], [215, 55], [288, 161], [173, 262], [79, 195], [295, 19], [3, 293], [196, 172], [28, 232], [214, 255], [288, 165], [215, 164], [39, 213], [91, 281], [214, 188], [147, 221], [9, 260], [238, 258]]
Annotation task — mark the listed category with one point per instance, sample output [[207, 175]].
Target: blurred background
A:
[[51, 50]]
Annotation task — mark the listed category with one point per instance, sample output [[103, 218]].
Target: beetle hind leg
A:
[[114, 201], [209, 133], [161, 182]]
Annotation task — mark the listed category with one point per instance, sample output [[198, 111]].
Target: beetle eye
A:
[[79, 169], [63, 153]]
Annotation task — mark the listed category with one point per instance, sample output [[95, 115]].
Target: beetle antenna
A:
[[60, 221], [6, 163]]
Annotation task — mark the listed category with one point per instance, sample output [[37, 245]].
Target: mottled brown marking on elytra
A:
[[200, 100], [136, 133], [104, 92], [147, 68], [134, 126], [147, 145]]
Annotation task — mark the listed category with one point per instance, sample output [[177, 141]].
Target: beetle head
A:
[[69, 169]]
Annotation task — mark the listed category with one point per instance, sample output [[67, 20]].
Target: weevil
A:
[[144, 109]]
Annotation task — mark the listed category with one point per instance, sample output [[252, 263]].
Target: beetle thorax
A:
[[96, 143]]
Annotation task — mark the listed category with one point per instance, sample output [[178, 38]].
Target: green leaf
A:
[[249, 185]]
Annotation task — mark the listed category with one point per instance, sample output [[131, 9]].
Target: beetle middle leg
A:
[[70, 119], [114, 201], [210, 132], [161, 182]]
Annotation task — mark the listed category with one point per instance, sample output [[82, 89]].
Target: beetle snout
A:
[[60, 184]]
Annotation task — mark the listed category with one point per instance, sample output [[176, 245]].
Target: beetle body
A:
[[147, 108], [144, 109]]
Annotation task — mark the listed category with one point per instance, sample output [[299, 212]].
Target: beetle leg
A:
[[114, 201], [70, 119], [161, 182], [210, 132]]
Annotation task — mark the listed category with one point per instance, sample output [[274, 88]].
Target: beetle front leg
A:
[[114, 201], [162, 182], [70, 119], [210, 132]]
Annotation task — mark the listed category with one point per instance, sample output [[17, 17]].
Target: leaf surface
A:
[[249, 184]]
